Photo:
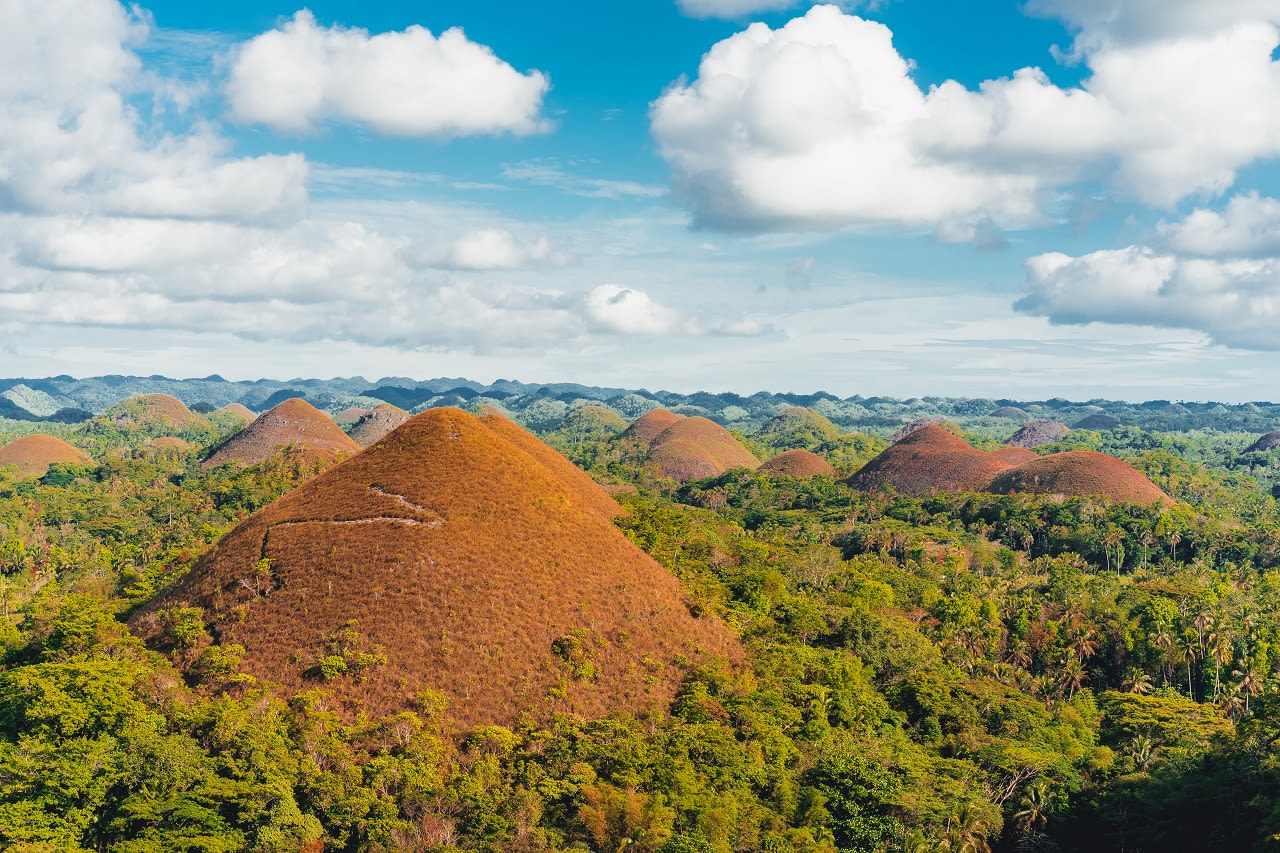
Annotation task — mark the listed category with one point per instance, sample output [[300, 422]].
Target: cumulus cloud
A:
[[819, 124], [408, 83], [71, 141], [627, 311], [1101, 22], [1249, 226], [1235, 302]]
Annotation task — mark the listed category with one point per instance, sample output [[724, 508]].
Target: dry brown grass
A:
[[930, 459], [683, 461], [293, 422], [33, 454], [1015, 455], [798, 463], [647, 427], [1037, 433], [711, 441], [1081, 473], [241, 410], [468, 555], [377, 423]]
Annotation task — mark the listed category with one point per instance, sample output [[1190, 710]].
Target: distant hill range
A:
[[546, 406]]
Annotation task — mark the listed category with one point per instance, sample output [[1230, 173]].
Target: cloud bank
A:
[[819, 125]]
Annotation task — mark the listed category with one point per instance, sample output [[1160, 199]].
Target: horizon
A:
[[1031, 200]]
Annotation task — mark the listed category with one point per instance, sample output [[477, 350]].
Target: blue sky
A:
[[1061, 197]]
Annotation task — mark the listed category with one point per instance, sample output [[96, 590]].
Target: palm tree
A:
[[1073, 676], [1033, 809], [1222, 649], [1138, 682], [1143, 752], [967, 832], [1250, 685], [1190, 650]]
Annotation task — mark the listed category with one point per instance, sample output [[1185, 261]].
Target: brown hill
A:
[[376, 423], [33, 454], [1037, 433], [155, 410], [798, 463], [689, 443], [475, 568], [931, 459], [650, 425], [920, 423], [1270, 441], [588, 491], [241, 410], [348, 418], [1015, 455], [293, 422], [1080, 473]]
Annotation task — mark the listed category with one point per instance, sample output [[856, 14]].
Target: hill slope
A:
[[694, 444], [377, 423], [474, 566], [1081, 473], [293, 422], [930, 459], [33, 454], [798, 463]]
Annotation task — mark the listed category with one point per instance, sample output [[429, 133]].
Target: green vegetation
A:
[[956, 672]]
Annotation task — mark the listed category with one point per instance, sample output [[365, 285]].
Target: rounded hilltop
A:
[[798, 463], [376, 423], [1037, 433], [1081, 473], [650, 425], [293, 422], [155, 411], [33, 454], [458, 554], [929, 459], [696, 447]]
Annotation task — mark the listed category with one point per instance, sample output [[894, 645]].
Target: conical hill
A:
[[930, 459], [1081, 473], [292, 422], [471, 563], [798, 463], [647, 427], [376, 423], [33, 454], [694, 443]]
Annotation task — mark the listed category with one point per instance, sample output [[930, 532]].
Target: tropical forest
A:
[[552, 618]]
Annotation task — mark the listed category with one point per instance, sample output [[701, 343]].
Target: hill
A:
[[241, 410], [293, 422], [1037, 433], [930, 459], [33, 454], [798, 427], [694, 444], [798, 463], [471, 563], [154, 413], [1270, 441], [1081, 473], [650, 425], [1015, 455], [1097, 421], [376, 423], [1012, 413]]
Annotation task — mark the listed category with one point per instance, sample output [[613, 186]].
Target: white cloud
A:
[[819, 124], [1101, 22], [1249, 226], [1233, 302], [626, 311], [70, 141], [494, 249], [409, 83]]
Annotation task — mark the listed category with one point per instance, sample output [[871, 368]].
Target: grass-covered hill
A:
[[270, 656]]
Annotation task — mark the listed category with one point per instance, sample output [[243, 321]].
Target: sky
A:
[[1076, 198]]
